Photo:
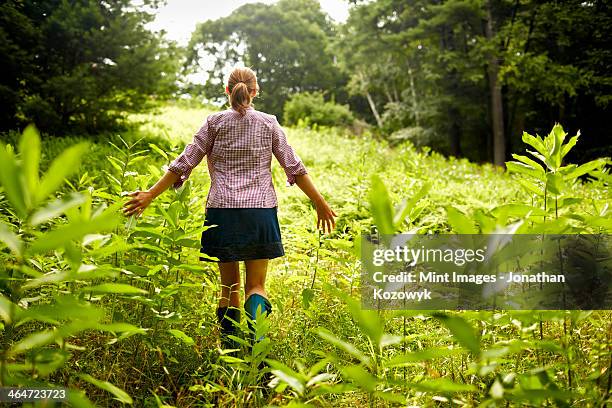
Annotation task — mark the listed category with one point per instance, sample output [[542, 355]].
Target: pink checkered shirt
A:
[[239, 154]]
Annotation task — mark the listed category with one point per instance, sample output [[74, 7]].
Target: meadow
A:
[[120, 311]]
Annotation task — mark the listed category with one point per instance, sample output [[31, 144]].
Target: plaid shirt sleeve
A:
[[193, 153], [288, 159]]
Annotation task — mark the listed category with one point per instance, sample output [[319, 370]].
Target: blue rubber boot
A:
[[256, 305]]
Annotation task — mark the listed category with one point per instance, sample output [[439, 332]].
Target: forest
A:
[[448, 118]]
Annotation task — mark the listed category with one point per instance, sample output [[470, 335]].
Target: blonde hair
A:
[[241, 83]]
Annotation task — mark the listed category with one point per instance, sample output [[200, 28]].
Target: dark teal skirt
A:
[[241, 234]]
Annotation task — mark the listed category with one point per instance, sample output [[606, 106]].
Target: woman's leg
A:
[[255, 280], [230, 284], [256, 302], [228, 312]]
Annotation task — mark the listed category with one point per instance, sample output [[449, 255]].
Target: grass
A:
[[525, 355]]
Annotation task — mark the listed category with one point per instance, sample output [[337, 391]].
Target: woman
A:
[[239, 143]]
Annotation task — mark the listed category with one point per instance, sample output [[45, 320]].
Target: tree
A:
[[78, 64], [412, 55], [557, 69], [285, 43], [480, 72]]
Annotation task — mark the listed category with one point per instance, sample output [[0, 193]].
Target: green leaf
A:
[[11, 178], [120, 327], [121, 395], [8, 309], [585, 168], [554, 183], [419, 356], [166, 216], [34, 340], [66, 307], [261, 349], [78, 399], [65, 164], [522, 168], [341, 344], [158, 150], [460, 222], [532, 163], [461, 330], [443, 385], [121, 288], [408, 205], [380, 206], [11, 240], [56, 208], [287, 375], [517, 210], [529, 186], [558, 135], [29, 149], [386, 395], [534, 142], [46, 361], [390, 340], [497, 390], [320, 378], [69, 276], [361, 377], [182, 336], [76, 230], [569, 145], [369, 321], [115, 163], [307, 296], [537, 156]]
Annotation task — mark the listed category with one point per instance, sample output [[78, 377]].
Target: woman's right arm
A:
[[141, 199]]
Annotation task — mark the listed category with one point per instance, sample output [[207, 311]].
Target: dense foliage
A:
[[311, 108], [464, 77], [79, 64], [286, 43], [122, 310], [478, 73]]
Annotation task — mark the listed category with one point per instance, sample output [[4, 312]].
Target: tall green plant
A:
[[555, 186], [55, 251]]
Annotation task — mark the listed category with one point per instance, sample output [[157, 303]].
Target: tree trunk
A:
[[373, 107], [415, 106], [455, 137], [497, 108]]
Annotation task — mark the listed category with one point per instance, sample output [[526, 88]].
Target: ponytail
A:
[[240, 97], [241, 84]]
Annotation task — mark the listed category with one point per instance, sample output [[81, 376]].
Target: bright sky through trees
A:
[[179, 17]]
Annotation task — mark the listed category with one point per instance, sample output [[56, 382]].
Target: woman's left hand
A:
[[325, 216]]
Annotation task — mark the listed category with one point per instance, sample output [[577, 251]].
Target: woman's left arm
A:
[[298, 174], [286, 156], [325, 215]]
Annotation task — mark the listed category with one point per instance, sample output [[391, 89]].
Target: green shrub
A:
[[396, 117], [310, 108], [420, 137]]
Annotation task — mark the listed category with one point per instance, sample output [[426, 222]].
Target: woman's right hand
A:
[[140, 201]]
